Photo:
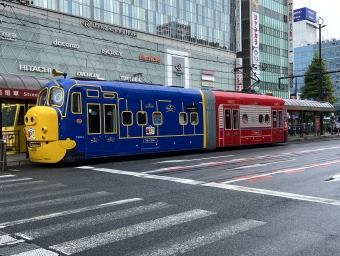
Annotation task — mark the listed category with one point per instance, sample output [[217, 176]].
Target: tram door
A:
[[101, 136], [277, 125], [231, 126]]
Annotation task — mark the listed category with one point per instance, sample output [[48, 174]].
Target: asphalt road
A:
[[273, 200]]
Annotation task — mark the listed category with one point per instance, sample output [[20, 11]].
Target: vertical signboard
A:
[[255, 37], [177, 70], [239, 74], [290, 31], [238, 26]]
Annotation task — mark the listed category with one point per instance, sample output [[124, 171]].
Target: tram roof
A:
[[308, 105]]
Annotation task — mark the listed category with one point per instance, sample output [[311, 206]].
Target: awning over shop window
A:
[[308, 105], [20, 87]]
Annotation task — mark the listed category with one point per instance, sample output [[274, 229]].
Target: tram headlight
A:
[[44, 129]]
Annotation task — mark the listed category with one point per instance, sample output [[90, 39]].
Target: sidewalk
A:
[[15, 160]]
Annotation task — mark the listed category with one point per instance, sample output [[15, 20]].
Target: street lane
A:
[[274, 200]]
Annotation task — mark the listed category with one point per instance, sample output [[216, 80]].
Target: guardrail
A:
[[2, 155]]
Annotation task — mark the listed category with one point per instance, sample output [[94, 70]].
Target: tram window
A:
[[93, 118], [21, 115], [274, 119], [127, 118], [142, 118], [236, 121], [280, 119], [194, 118], [260, 118], [110, 119], [227, 119], [245, 118], [183, 118], [42, 100], [56, 97], [76, 103], [266, 118], [157, 118]]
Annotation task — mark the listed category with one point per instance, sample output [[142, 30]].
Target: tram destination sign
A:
[[18, 93], [120, 31]]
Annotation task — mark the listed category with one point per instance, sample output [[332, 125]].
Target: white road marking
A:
[[85, 167], [16, 180], [6, 176], [20, 190], [90, 221], [8, 240], [22, 184], [274, 193], [112, 236], [36, 252], [263, 164], [45, 194], [147, 176], [189, 160], [198, 239], [58, 214], [63, 200]]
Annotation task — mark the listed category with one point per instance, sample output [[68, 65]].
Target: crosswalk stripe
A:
[[15, 180], [35, 196], [6, 176], [8, 240], [40, 252], [63, 200], [90, 221], [20, 190], [22, 184], [89, 242], [198, 239], [64, 213]]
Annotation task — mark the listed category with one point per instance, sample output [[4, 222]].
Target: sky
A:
[[329, 10]]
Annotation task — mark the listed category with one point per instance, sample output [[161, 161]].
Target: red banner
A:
[[10, 93]]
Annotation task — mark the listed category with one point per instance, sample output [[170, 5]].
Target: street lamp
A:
[[320, 22]]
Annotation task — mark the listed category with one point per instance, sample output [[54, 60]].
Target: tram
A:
[[13, 125], [77, 119]]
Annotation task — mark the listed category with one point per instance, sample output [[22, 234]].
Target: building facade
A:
[[265, 45], [186, 43], [330, 54]]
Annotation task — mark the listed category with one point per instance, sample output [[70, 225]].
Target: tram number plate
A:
[[35, 144]]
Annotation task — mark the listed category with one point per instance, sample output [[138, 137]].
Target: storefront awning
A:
[[20, 87], [308, 105]]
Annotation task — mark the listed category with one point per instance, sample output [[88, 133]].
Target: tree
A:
[[311, 87]]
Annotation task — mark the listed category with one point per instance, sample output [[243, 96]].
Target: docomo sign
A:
[[19, 93], [150, 58], [87, 74], [56, 42]]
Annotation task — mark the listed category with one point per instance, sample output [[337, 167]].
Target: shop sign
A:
[[8, 36], [208, 84], [150, 58], [178, 69], [130, 78], [87, 74], [56, 42], [111, 52], [19, 93], [120, 31], [35, 69]]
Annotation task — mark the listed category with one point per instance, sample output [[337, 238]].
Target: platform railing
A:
[[2, 155]]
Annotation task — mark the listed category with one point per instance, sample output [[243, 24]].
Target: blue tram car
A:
[[76, 120]]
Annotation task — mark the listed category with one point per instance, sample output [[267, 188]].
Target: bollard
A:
[[3, 155]]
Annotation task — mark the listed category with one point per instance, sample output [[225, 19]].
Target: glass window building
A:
[[265, 45], [186, 43]]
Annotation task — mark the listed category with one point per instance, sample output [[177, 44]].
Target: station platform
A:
[[16, 160]]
